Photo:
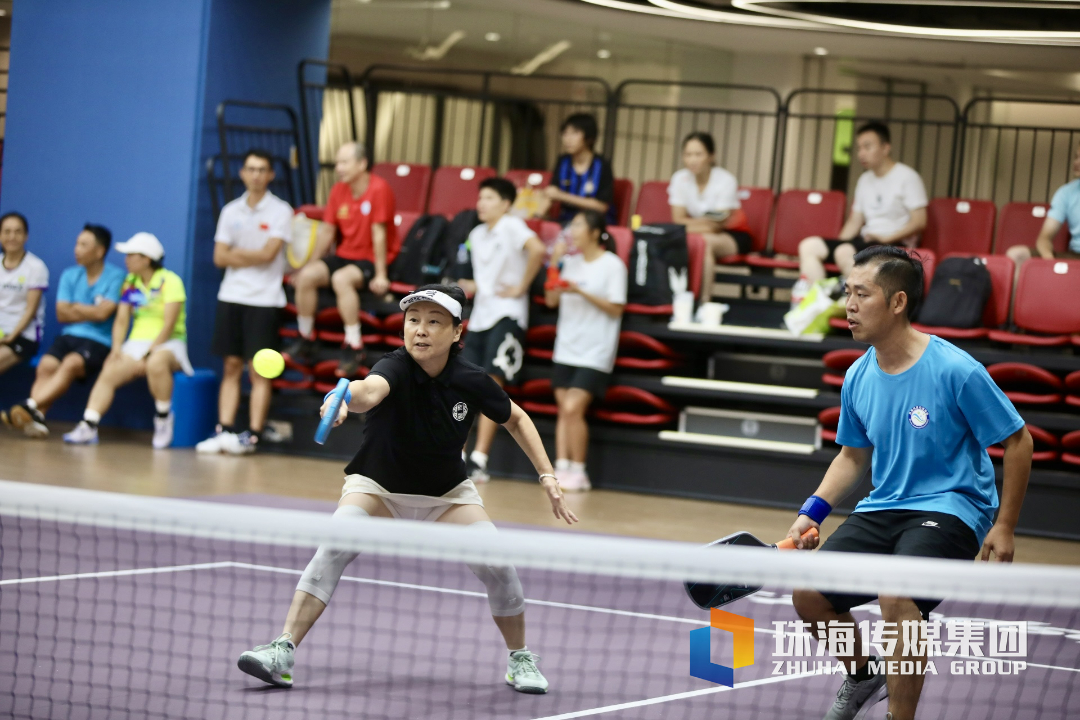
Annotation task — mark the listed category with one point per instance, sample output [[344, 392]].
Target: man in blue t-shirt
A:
[[1064, 210], [924, 412], [86, 302]]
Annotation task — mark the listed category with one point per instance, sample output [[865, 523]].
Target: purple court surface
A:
[[99, 623]]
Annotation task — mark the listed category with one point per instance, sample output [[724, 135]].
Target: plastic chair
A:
[[801, 214], [409, 182], [959, 226], [652, 203], [455, 187], [1027, 384], [1047, 304], [1046, 446]]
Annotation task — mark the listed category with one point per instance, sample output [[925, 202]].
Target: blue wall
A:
[[111, 115]]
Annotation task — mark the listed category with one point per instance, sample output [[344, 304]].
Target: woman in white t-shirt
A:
[[23, 280], [590, 295], [704, 198]]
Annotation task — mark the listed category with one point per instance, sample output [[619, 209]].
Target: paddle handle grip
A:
[[332, 410], [789, 544]]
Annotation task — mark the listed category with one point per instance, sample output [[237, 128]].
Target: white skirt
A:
[[414, 507], [137, 349]]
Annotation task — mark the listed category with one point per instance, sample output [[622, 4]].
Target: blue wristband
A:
[[816, 509], [347, 399]]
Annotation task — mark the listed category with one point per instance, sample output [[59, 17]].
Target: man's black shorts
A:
[[243, 330], [499, 350], [335, 263], [743, 240], [918, 533], [592, 381], [24, 348], [857, 242], [93, 353]]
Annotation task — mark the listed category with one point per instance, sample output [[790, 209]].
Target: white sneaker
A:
[[31, 422], [476, 473], [213, 444], [271, 663], [522, 673], [163, 431], [238, 443], [574, 481], [83, 434]]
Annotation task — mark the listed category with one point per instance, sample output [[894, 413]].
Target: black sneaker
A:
[[302, 351], [351, 360]]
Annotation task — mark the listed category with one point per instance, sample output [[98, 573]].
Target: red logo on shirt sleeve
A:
[[264, 226]]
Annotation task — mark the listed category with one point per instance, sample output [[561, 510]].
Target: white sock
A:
[[577, 467], [307, 326], [562, 464], [91, 416], [163, 406], [526, 647], [352, 336], [479, 458], [31, 404]]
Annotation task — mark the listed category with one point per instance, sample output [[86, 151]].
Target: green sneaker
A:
[[271, 663], [522, 673]]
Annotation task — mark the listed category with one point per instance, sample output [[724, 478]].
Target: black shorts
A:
[[916, 533], [243, 330], [857, 242], [590, 380], [93, 353], [335, 263], [499, 350], [24, 348], [743, 240]]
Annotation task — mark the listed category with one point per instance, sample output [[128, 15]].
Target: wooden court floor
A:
[[125, 462]]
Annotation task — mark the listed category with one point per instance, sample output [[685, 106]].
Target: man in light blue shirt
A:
[[1064, 210], [86, 302], [923, 412]]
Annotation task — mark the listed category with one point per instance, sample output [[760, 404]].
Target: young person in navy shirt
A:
[[581, 180], [923, 412]]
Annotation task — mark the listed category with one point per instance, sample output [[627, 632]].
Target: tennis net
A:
[[119, 606]]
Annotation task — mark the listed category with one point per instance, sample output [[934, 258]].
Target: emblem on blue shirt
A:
[[918, 416], [460, 411]]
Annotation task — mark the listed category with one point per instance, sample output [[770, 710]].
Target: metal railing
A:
[[244, 125], [1026, 155], [462, 117]]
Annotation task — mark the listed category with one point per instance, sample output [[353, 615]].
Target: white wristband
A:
[[544, 475]]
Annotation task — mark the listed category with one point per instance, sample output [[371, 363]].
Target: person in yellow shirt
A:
[[152, 303]]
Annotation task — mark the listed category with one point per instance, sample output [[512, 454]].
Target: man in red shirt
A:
[[361, 208]]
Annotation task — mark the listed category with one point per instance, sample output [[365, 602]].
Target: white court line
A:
[[119, 573], [676, 696]]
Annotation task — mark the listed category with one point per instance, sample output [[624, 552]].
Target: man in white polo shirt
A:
[[250, 236]]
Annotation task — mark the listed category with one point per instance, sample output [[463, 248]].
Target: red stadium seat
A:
[[312, 211], [652, 203], [409, 183], [829, 419], [757, 203], [959, 226], [1047, 303], [403, 221], [1046, 446], [622, 200], [638, 351], [1071, 441], [295, 377], [330, 328], [326, 375], [454, 188], [1072, 384], [626, 405], [535, 179], [540, 342], [624, 241], [996, 313], [536, 397], [801, 214], [838, 361], [929, 261], [1027, 384], [1019, 224]]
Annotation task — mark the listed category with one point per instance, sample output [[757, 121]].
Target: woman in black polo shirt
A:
[[420, 401]]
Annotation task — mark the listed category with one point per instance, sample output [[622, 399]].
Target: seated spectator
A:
[[250, 236], [85, 303], [23, 279], [581, 180], [889, 209], [152, 302], [702, 197], [361, 207], [1064, 208], [586, 339], [505, 256]]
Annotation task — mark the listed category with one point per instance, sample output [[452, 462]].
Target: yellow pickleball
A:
[[268, 363]]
